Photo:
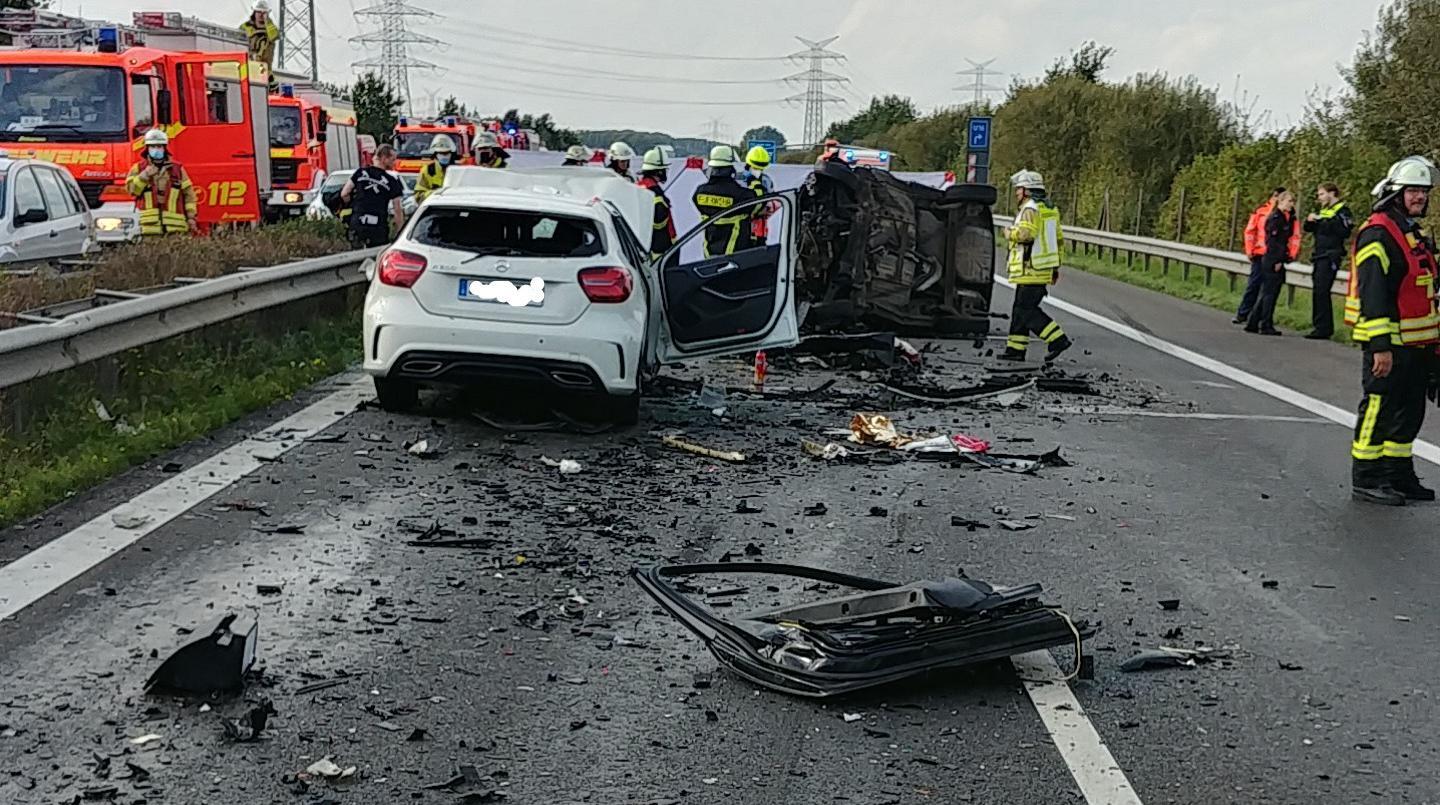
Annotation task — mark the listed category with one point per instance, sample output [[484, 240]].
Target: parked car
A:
[[46, 216], [318, 210], [543, 278]]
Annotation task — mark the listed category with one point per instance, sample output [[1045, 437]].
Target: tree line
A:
[[1153, 151]]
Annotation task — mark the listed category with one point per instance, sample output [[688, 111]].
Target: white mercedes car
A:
[[543, 278]]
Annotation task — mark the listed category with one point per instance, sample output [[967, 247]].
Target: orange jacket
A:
[[1255, 232]]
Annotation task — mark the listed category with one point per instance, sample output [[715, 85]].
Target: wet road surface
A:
[[534, 659]]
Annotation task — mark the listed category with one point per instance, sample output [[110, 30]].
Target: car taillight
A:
[[400, 269], [606, 283], [115, 192]]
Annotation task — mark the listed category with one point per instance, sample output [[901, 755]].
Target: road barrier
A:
[[55, 345], [1184, 258]]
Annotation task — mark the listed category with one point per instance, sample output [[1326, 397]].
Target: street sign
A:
[[768, 145], [979, 139]]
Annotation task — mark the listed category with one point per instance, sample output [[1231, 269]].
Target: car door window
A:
[[57, 201], [27, 192]]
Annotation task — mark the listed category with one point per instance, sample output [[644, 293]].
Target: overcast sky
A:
[[1279, 50]]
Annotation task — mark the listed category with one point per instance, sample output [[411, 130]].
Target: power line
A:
[[531, 39], [296, 49], [546, 68], [550, 91], [979, 70], [815, 78], [394, 38]]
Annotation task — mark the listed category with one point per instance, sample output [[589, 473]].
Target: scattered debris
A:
[[243, 505], [565, 465], [1022, 465], [314, 687], [851, 718], [1270, 584], [966, 523], [249, 728], [145, 739], [876, 429], [829, 451], [719, 455], [216, 663], [1169, 604], [327, 769], [101, 412], [881, 633], [816, 510], [746, 507], [1005, 392], [1016, 525], [130, 522], [1171, 657], [423, 449], [269, 589]]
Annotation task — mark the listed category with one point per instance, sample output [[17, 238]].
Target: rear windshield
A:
[[508, 232]]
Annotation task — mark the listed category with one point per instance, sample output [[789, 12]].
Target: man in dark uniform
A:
[[654, 173], [1391, 306], [374, 194], [725, 233], [1332, 227]]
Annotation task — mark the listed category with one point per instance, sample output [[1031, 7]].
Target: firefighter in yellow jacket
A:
[[261, 35], [1391, 307], [164, 196], [1034, 263], [432, 176]]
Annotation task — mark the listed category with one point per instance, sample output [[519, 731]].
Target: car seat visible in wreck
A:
[[880, 252]]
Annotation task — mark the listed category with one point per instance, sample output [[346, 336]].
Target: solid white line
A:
[[1426, 450], [46, 569], [1104, 411], [1101, 780]]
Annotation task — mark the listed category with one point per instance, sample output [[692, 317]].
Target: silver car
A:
[[45, 214], [335, 181]]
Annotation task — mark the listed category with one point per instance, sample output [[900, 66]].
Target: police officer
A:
[[725, 233], [488, 153], [163, 193], [1034, 263], [620, 154], [1391, 306], [1332, 227], [654, 173], [432, 176], [577, 155]]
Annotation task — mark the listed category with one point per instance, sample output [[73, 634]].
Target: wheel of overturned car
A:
[[622, 409], [396, 396]]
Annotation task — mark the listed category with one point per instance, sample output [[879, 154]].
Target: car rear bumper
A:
[[479, 352]]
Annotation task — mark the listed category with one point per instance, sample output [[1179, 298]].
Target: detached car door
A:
[[729, 303]]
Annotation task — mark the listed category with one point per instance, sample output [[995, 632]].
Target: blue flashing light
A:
[[287, 90], [450, 120], [107, 40], [884, 156], [404, 121]]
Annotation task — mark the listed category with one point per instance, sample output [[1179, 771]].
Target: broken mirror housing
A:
[[880, 634], [216, 663]]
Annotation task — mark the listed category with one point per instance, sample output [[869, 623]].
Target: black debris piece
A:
[[417, 735], [578, 725], [100, 792], [712, 716], [1174, 634], [816, 510], [1290, 666], [251, 726], [1066, 385], [454, 782], [1169, 604], [1016, 525], [469, 542], [702, 681], [879, 511], [1152, 659], [216, 663], [172, 467], [269, 589], [138, 773], [879, 633], [481, 797], [322, 685], [283, 528], [751, 549], [966, 523], [746, 507], [1270, 584], [989, 389], [1019, 464]]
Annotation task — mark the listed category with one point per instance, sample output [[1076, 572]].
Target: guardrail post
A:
[[1185, 271], [1289, 295], [1208, 272]]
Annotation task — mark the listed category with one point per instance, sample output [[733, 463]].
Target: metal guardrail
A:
[[37, 350], [1185, 257]]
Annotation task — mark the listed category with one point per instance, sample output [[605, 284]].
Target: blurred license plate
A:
[[504, 292]]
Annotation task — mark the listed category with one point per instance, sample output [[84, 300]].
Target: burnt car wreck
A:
[[877, 251], [882, 633]]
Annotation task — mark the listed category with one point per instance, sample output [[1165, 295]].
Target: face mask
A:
[[157, 153], [443, 159]]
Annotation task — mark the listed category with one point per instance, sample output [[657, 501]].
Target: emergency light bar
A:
[[450, 120], [287, 90], [404, 121], [107, 40]]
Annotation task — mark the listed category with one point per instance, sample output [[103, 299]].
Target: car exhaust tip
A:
[[421, 367], [572, 379]]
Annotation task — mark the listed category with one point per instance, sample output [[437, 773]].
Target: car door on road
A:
[[69, 222], [730, 303], [29, 218]]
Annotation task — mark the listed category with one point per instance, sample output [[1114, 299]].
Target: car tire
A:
[[622, 409], [397, 396]]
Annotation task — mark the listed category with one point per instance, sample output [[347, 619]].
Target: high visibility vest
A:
[[1035, 263], [261, 41], [1418, 323], [432, 178], [162, 213], [724, 234]]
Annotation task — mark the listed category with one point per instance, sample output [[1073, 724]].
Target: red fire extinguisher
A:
[[761, 367]]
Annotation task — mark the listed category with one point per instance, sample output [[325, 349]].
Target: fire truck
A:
[[413, 137], [82, 94], [311, 136]]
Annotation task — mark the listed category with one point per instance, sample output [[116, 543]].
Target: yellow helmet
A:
[[758, 158]]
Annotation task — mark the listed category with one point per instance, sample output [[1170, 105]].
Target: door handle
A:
[[705, 272], [243, 155], [54, 233]]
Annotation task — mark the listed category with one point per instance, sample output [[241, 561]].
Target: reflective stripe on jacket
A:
[[1035, 244], [165, 204], [1384, 304], [432, 178]]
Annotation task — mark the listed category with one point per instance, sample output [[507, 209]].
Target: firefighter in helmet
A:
[[261, 34], [488, 153], [432, 176], [164, 195], [620, 154], [577, 155], [757, 161], [725, 232], [1390, 305], [654, 173], [1034, 263]]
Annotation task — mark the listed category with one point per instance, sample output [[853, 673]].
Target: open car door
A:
[[713, 303]]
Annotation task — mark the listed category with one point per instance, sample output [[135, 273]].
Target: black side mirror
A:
[[321, 136], [324, 121], [164, 114], [34, 215]]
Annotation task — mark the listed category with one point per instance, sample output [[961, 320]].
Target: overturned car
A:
[[879, 252]]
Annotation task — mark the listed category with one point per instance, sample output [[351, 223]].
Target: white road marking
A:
[[1104, 411], [1101, 780], [1426, 450], [46, 569]]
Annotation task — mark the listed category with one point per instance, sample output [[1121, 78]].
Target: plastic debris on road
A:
[[700, 450], [829, 451], [329, 770], [565, 466], [216, 663], [876, 429], [129, 522]]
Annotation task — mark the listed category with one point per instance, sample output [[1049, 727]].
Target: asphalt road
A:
[[1318, 607]]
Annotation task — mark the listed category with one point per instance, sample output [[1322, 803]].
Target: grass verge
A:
[[160, 397], [1289, 318]]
